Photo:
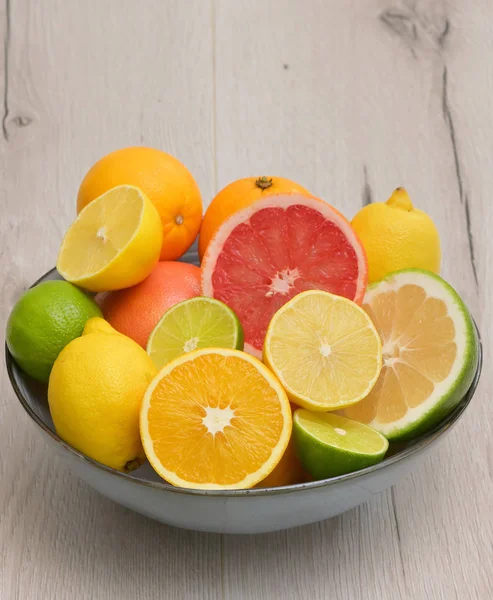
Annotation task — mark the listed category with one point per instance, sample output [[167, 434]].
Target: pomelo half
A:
[[278, 247], [430, 354]]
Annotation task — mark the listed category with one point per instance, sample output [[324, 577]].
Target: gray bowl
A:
[[238, 511]]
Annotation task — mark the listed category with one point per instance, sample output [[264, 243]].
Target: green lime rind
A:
[[43, 321], [195, 323], [329, 445], [445, 402]]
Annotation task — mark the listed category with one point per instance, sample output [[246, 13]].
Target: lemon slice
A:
[[430, 353], [324, 349], [114, 243]]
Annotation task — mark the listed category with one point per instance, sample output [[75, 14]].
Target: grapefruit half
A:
[[278, 247]]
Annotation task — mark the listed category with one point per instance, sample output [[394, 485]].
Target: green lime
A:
[[43, 321], [195, 323], [329, 445]]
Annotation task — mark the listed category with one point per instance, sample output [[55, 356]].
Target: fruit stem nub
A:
[[263, 182], [132, 465], [400, 199]]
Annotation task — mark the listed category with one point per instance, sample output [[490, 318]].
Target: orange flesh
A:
[[181, 440], [418, 352]]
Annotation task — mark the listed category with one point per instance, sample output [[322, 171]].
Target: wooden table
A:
[[351, 99]]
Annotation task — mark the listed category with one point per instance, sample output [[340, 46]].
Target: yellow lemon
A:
[[95, 392], [397, 236], [114, 243]]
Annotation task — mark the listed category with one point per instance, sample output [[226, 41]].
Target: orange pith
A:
[[418, 352], [215, 419]]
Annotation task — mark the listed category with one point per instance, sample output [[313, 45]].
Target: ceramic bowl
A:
[[238, 511]]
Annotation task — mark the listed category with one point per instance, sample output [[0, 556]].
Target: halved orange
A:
[[215, 419]]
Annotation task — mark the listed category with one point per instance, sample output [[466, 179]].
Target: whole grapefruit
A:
[[135, 311], [237, 195], [166, 181]]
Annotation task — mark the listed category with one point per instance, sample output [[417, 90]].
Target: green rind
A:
[[323, 461], [43, 321], [458, 389], [238, 329]]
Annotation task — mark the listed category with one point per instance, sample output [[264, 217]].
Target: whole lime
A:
[[43, 321]]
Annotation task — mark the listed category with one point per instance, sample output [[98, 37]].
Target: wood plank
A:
[[352, 103], [83, 79], [457, 482]]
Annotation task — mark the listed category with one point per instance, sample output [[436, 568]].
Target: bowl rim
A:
[[421, 442]]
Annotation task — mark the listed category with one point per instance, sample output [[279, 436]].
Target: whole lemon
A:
[[397, 236], [95, 391]]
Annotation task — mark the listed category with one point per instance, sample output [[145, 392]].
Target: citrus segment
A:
[[282, 245], [195, 323], [429, 353], [331, 445], [324, 349], [114, 243], [215, 419]]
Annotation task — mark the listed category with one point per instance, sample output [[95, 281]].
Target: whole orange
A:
[[166, 181], [237, 195], [135, 311], [288, 470]]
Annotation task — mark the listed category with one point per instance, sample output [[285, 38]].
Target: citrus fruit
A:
[[215, 419], [288, 471], [397, 236], [276, 248], [164, 179], [237, 195], [330, 445], [195, 323], [430, 353], [43, 321], [136, 310], [324, 349], [114, 243], [95, 393]]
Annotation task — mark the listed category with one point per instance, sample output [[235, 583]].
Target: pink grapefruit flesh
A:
[[276, 248]]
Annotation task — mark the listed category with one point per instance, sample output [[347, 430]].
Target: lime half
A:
[[195, 323], [329, 445]]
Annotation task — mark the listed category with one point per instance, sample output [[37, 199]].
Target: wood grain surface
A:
[[351, 99]]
